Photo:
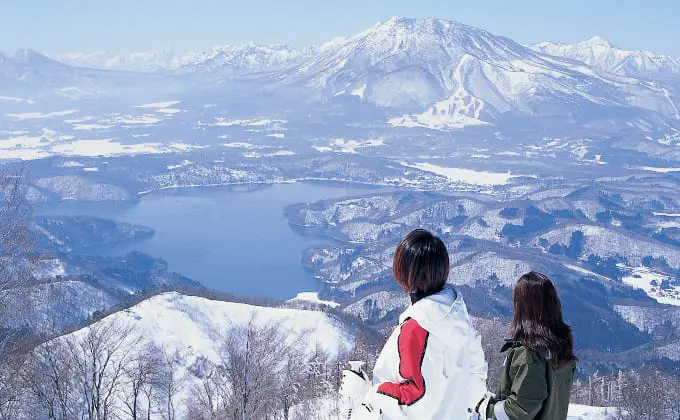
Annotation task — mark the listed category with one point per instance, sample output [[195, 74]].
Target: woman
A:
[[538, 372], [433, 366]]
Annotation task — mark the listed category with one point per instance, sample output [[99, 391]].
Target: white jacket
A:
[[432, 366]]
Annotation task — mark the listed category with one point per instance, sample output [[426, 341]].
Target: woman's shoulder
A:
[[519, 353]]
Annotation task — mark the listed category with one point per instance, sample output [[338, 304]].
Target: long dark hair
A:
[[538, 323]]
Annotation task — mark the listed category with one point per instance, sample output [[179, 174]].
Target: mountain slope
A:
[[601, 54], [196, 326], [456, 75], [194, 337]]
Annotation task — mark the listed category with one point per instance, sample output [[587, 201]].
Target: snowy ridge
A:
[[245, 58], [601, 54], [239, 58], [456, 75], [149, 61], [194, 325], [429, 73]]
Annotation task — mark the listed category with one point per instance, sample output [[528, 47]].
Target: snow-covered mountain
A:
[[26, 74], [245, 58], [455, 75], [27, 66], [250, 57], [599, 53], [150, 61], [417, 72]]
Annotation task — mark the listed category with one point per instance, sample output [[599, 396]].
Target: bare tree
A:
[[100, 357], [169, 383], [48, 378], [213, 397], [141, 373], [253, 362], [15, 271], [15, 245], [12, 398], [304, 377]]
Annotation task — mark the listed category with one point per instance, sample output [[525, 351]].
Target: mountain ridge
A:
[[429, 73]]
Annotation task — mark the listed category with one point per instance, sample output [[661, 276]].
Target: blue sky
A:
[[58, 26]]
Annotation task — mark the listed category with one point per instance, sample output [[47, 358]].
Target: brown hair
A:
[[538, 322], [421, 262]]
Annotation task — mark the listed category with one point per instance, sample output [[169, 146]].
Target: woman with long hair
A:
[[538, 372], [432, 366]]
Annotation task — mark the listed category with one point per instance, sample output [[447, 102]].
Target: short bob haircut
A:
[[421, 263]]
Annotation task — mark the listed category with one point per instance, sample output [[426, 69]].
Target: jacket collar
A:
[[433, 307], [415, 297]]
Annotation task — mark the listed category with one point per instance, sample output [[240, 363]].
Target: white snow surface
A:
[[195, 326], [584, 412], [50, 143], [465, 176], [37, 115], [166, 104], [642, 278], [326, 408], [313, 297], [660, 170], [348, 146]]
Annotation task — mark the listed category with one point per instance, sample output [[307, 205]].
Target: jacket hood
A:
[[444, 315]]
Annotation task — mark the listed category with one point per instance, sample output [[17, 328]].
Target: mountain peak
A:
[[406, 22], [598, 41], [30, 57]]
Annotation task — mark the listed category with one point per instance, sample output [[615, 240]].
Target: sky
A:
[[124, 26]]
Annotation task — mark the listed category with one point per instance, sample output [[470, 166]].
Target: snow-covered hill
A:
[[196, 327], [599, 53], [196, 335]]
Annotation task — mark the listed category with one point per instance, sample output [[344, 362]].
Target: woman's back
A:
[[432, 367], [532, 387]]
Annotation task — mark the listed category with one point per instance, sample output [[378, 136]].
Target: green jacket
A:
[[531, 388]]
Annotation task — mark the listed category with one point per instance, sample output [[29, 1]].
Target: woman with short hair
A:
[[432, 366], [538, 372]]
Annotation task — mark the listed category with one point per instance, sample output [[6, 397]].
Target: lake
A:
[[226, 238]]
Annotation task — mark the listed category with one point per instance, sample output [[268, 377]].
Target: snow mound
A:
[[196, 326]]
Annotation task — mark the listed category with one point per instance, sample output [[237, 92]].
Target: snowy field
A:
[[650, 282], [465, 176]]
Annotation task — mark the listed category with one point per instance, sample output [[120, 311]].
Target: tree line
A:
[[108, 371]]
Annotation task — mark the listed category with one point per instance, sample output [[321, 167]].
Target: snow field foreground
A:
[[326, 409], [193, 334]]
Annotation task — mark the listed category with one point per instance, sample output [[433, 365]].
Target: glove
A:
[[479, 412], [353, 388]]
